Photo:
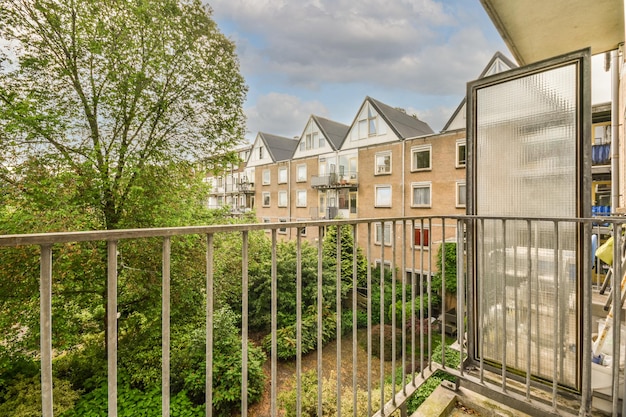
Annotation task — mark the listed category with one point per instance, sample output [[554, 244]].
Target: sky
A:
[[323, 57]]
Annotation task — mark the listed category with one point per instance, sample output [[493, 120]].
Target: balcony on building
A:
[[335, 180]]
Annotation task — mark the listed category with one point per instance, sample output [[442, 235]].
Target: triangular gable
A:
[[377, 122], [498, 63], [259, 154], [320, 136]]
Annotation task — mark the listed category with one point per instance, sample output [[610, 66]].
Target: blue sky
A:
[[323, 57]]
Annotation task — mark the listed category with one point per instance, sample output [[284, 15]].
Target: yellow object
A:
[[605, 251]]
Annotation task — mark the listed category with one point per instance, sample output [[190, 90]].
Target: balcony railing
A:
[[333, 180], [245, 187], [506, 353]]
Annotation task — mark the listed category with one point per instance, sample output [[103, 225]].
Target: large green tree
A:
[[102, 92]]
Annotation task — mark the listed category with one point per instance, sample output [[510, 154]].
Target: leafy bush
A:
[[418, 304], [346, 320], [188, 365], [450, 269], [22, 397], [308, 398], [286, 343], [132, 402]]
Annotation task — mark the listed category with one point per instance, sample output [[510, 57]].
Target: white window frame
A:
[[422, 185], [418, 149], [377, 199], [460, 143], [282, 230], [421, 229], [269, 199], [379, 231], [282, 198], [459, 185], [300, 193], [377, 167], [282, 175], [267, 177], [301, 176]]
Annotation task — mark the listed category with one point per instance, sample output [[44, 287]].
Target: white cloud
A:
[[281, 114], [418, 45]]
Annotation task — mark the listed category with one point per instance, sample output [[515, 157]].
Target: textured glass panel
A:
[[526, 158]]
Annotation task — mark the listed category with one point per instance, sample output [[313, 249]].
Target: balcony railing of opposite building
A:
[[245, 187], [333, 180], [519, 339]]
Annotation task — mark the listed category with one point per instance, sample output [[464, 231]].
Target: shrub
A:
[[132, 402], [286, 346], [418, 303], [450, 269], [188, 365], [23, 397]]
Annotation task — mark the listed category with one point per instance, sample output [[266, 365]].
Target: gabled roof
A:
[[404, 125], [498, 63], [335, 132], [280, 148]]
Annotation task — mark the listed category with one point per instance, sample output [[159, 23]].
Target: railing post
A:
[[209, 327], [165, 328], [45, 323], [112, 327]]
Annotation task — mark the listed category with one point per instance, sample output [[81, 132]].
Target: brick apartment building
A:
[[385, 164]]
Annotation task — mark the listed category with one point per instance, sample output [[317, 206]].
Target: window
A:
[[383, 163], [302, 230], [260, 152], [460, 153], [383, 196], [368, 124], [421, 158], [266, 176], [383, 233], [301, 198], [282, 230], [460, 193], [266, 199], [220, 182], [282, 199], [421, 237], [421, 194], [353, 195], [301, 173], [282, 175]]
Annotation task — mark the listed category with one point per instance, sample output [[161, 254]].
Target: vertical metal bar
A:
[[298, 324], [617, 314], [274, 325], [354, 318], [529, 272], [165, 328], [393, 312], [404, 237], [112, 327], [369, 320], [45, 324], [586, 288], [244, 324], [430, 297], [480, 297], [338, 306], [460, 293], [443, 293], [421, 303], [556, 341], [413, 295], [382, 319], [504, 308], [209, 326]]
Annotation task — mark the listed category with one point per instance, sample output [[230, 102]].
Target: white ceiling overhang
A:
[[539, 29]]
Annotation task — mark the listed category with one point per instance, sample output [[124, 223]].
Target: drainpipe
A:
[[615, 174], [402, 187]]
